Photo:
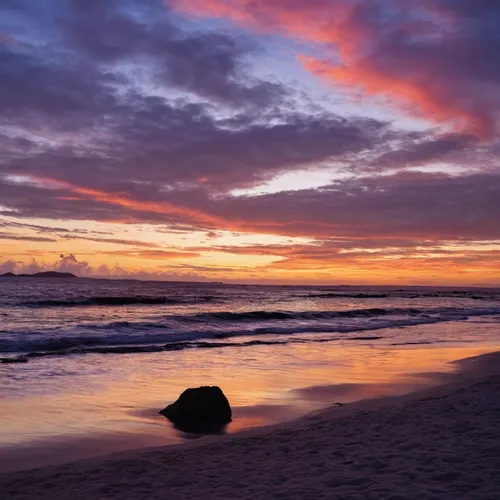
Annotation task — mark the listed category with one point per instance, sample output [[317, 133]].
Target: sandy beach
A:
[[433, 444]]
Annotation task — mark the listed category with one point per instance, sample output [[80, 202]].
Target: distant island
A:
[[46, 274]]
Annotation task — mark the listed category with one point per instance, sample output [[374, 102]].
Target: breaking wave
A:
[[111, 301], [173, 346], [212, 330]]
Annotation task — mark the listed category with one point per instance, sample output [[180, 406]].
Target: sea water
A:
[[87, 364]]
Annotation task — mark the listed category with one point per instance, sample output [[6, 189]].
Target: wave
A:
[[130, 334], [164, 335], [133, 300], [173, 346], [453, 295], [493, 296], [346, 295], [306, 315], [104, 301]]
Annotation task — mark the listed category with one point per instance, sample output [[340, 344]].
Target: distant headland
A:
[[46, 274]]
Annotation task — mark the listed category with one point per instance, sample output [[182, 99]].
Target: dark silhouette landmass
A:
[[46, 274]]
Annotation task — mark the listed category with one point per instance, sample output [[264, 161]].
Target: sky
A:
[[252, 141]]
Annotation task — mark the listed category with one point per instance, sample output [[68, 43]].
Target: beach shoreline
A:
[[425, 441], [69, 425]]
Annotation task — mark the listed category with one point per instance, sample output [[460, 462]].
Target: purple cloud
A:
[[118, 111]]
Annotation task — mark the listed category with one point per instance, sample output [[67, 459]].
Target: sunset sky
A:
[[254, 141]]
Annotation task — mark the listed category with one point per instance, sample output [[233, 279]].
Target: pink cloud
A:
[[419, 54]]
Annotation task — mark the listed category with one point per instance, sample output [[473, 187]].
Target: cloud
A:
[[155, 254], [36, 227], [75, 109], [114, 241], [8, 266], [210, 269], [413, 206], [208, 64], [120, 111], [61, 95], [182, 147], [451, 148], [65, 264], [70, 264], [10, 236], [317, 263], [133, 153], [81, 69], [437, 58]]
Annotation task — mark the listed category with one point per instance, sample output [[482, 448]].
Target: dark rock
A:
[[204, 408]]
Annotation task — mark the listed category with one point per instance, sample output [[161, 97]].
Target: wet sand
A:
[[434, 444], [66, 420]]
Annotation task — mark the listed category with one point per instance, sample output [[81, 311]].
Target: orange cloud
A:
[[193, 214], [122, 200], [146, 206], [372, 82], [155, 254]]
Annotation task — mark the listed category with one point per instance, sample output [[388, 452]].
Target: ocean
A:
[[92, 361], [57, 317]]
